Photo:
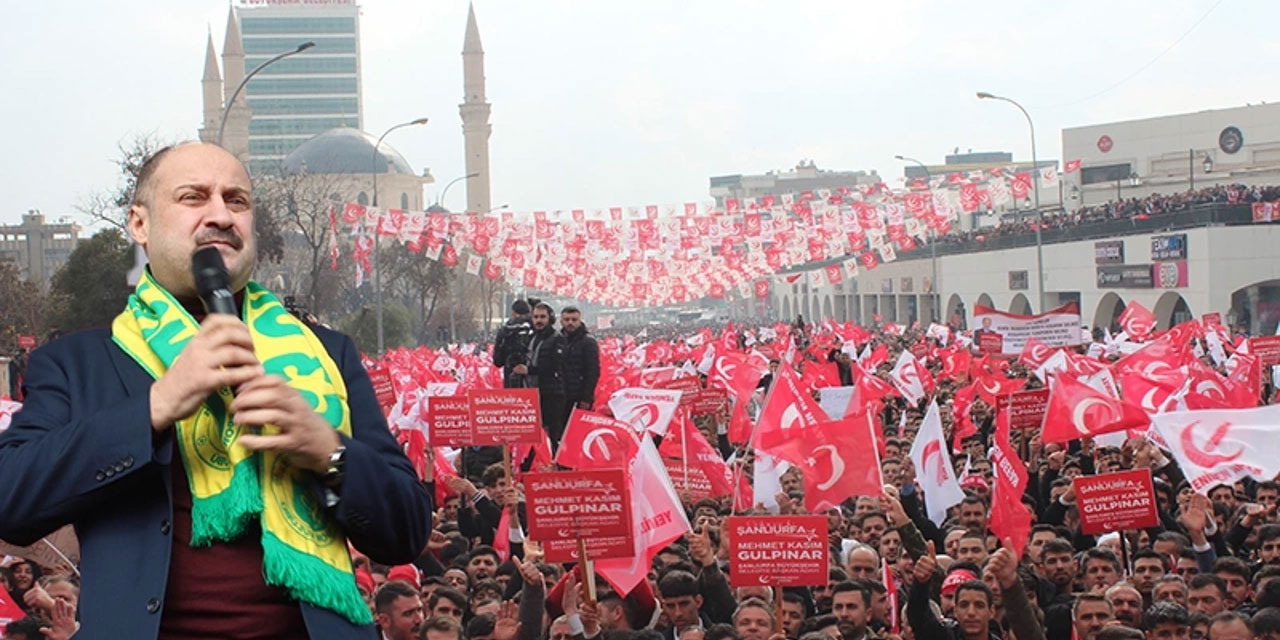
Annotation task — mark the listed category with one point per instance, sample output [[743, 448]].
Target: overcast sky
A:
[[611, 103]]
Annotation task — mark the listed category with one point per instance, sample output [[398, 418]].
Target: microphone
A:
[[213, 283]]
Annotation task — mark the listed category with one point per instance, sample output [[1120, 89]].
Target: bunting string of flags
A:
[[664, 254]]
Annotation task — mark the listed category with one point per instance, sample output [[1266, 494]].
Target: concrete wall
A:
[[1220, 261]]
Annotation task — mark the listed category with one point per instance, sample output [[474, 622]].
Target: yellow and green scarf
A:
[[304, 550]]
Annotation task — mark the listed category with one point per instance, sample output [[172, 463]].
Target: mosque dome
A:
[[345, 150]]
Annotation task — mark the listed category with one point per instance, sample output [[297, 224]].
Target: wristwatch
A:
[[337, 462]]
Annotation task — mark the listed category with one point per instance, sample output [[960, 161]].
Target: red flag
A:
[[841, 461], [877, 357], [955, 361], [657, 515], [1035, 352], [819, 374], [1010, 519], [740, 425], [685, 441], [1070, 166], [1149, 394], [737, 372], [9, 609], [993, 384], [870, 386], [592, 440], [1137, 321], [1077, 410], [891, 587], [788, 414]]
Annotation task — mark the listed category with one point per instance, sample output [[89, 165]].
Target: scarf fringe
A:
[[225, 516], [313, 581]]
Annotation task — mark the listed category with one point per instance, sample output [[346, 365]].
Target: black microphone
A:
[[213, 283]]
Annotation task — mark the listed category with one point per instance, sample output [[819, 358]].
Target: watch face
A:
[[1230, 140]]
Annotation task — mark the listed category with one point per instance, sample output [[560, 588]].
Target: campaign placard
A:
[[1026, 408], [919, 350], [991, 343], [449, 421], [27, 342], [688, 386], [709, 402], [383, 389], [787, 551], [698, 486], [1116, 501], [594, 505], [1211, 318], [505, 416], [1267, 348]]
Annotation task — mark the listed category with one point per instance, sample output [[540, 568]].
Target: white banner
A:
[[1057, 328]]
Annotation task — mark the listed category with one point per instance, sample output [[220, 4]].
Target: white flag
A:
[[648, 410], [906, 379], [1221, 446], [767, 480], [933, 466]]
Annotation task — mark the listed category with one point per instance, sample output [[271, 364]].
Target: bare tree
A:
[[418, 280], [112, 206], [300, 206]]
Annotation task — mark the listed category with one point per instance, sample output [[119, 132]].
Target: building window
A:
[[292, 106], [362, 199], [303, 64], [251, 26], [270, 86], [404, 201], [272, 46]]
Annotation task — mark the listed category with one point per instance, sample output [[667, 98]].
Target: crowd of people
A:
[[1135, 208], [336, 532]]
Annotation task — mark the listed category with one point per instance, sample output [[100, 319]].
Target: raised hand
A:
[[892, 506], [925, 565], [1003, 565], [529, 573], [220, 355], [507, 624], [700, 547], [63, 619]]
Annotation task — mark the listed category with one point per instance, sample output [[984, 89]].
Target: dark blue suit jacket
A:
[[82, 451]]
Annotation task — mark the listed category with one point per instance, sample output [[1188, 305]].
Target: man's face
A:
[[62, 590], [1237, 589], [560, 631], [402, 619], [200, 195], [1229, 630], [570, 321], [1269, 551], [1267, 497], [1224, 495], [1145, 573], [682, 611], [1099, 574], [1169, 631], [446, 607], [451, 509], [792, 618], [1126, 605], [872, 529], [863, 565], [890, 545], [851, 612], [973, 612], [1207, 600], [972, 550], [541, 319], [952, 542], [1059, 568], [822, 597], [1170, 591], [973, 517], [457, 579], [753, 623], [1166, 548], [792, 480], [481, 567], [1090, 618], [1037, 542], [1187, 568], [879, 606], [864, 505]]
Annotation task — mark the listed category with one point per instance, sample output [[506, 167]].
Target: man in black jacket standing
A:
[[581, 362], [542, 369], [511, 345]]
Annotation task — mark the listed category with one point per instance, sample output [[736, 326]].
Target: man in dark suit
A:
[[100, 444]]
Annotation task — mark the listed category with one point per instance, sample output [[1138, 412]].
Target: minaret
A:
[[236, 137], [212, 86], [475, 118]]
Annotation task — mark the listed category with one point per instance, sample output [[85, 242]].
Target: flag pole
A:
[[588, 571]]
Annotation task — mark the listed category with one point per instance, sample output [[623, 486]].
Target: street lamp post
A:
[[1035, 185], [377, 272], [227, 108], [933, 237], [445, 191]]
